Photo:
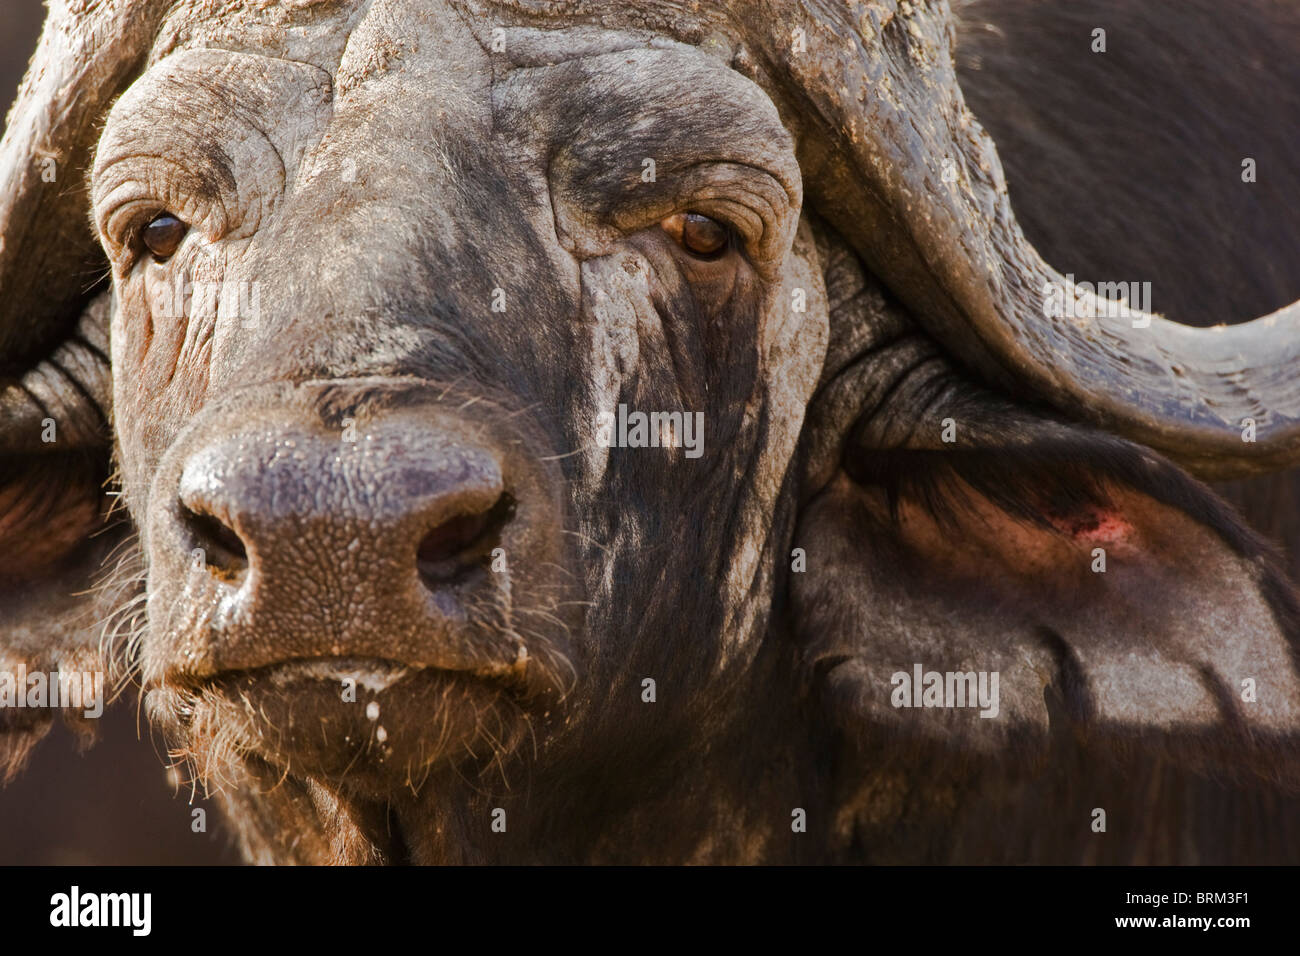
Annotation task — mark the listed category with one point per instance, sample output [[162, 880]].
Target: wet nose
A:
[[274, 503], [376, 539]]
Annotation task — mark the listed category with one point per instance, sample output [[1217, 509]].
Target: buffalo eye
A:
[[701, 236], [163, 235]]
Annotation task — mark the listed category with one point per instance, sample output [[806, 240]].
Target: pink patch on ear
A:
[[1096, 526]]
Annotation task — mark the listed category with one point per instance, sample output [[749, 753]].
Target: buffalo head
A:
[[567, 430]]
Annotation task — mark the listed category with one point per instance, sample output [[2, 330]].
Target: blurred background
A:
[[111, 804]]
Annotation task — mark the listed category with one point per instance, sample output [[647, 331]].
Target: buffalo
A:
[[593, 431]]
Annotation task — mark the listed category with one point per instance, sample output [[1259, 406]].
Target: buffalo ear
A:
[[55, 537], [54, 367], [1113, 596]]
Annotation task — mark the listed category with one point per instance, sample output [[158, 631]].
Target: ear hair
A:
[[1054, 476], [1043, 480]]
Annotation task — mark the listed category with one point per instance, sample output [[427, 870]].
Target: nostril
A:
[[462, 543], [222, 549]]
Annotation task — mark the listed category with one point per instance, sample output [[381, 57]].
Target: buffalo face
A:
[[372, 383]]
